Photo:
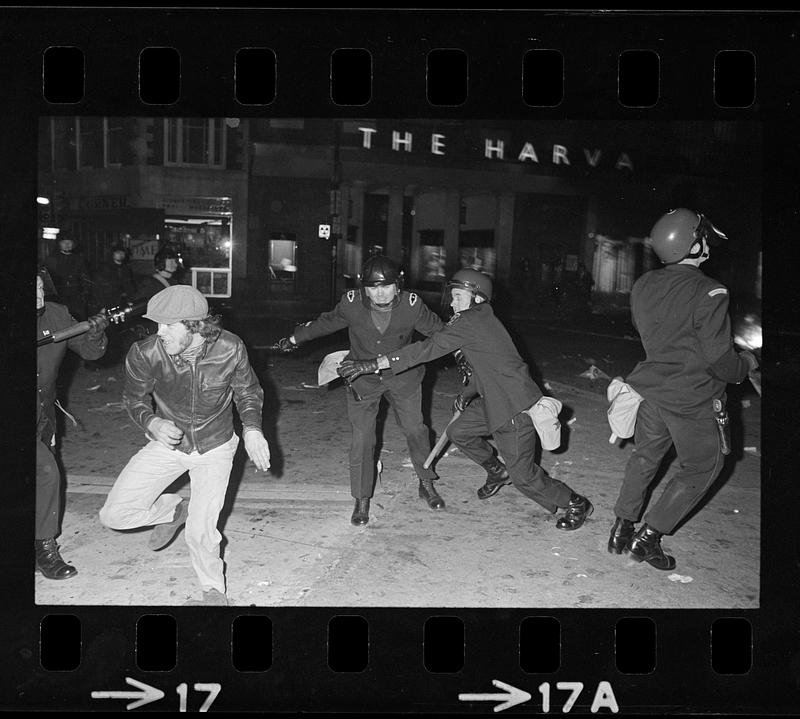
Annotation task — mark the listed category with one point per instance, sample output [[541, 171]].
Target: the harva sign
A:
[[493, 148]]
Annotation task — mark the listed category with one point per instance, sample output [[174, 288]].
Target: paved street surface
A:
[[288, 537]]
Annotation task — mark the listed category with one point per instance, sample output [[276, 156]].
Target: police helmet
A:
[[476, 282], [673, 236], [380, 270]]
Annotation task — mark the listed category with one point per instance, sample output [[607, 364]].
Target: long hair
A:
[[208, 328]]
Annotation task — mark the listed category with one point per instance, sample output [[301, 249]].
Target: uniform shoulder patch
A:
[[718, 291], [412, 298], [351, 295]]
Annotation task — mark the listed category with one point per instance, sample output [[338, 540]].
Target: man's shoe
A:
[[49, 561], [211, 598], [621, 535], [360, 512], [163, 534], [646, 547], [496, 477], [578, 510], [428, 492]]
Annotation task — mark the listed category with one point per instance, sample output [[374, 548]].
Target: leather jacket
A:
[[196, 398]]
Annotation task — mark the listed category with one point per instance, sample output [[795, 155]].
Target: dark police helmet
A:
[[476, 282], [380, 270], [674, 234]]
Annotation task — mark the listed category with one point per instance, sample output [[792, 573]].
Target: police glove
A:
[[285, 344], [750, 358], [350, 369], [98, 324], [464, 367], [460, 403]]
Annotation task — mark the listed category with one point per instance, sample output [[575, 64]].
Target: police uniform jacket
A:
[[499, 373], [48, 360], [682, 317], [366, 342], [196, 398]]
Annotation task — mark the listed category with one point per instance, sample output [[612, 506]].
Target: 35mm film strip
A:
[[277, 150]]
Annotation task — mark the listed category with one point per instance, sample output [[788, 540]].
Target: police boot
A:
[[646, 546], [621, 535], [496, 477], [578, 509], [49, 561], [360, 512], [428, 492]]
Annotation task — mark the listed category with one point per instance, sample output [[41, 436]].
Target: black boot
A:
[[496, 477], [428, 492], [49, 561], [621, 534], [360, 512], [646, 546], [578, 509]]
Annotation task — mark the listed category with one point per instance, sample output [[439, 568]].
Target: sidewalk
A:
[[289, 541]]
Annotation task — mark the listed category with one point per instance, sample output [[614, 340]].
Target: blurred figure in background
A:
[[114, 284], [70, 276]]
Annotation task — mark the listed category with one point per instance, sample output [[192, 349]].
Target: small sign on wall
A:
[[324, 232], [144, 250]]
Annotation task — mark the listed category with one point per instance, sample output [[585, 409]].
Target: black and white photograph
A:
[[398, 362]]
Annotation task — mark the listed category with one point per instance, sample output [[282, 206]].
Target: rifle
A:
[[115, 315]]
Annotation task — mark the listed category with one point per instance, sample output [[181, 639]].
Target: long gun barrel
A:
[[115, 315]]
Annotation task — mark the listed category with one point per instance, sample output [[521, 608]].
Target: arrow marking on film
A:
[[510, 698], [145, 695]]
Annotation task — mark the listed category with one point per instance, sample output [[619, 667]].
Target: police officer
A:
[[69, 274], [503, 391], [682, 318], [381, 317], [52, 317], [165, 263]]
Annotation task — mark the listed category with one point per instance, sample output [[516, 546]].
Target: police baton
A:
[[441, 442]]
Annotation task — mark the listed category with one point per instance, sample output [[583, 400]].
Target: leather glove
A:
[[350, 369], [460, 403], [98, 325], [750, 358], [464, 367], [285, 345]]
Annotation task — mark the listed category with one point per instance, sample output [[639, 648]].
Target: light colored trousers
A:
[[136, 500]]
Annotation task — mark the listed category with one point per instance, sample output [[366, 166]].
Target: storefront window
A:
[[202, 241], [476, 250], [282, 249], [282, 259]]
